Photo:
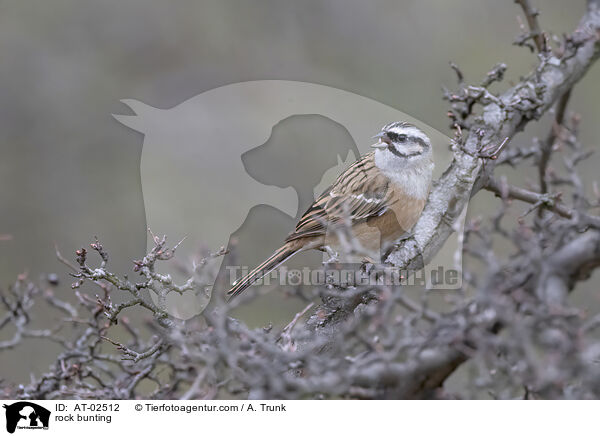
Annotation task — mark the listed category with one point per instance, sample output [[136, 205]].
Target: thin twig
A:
[[546, 147], [63, 260], [509, 191], [534, 27]]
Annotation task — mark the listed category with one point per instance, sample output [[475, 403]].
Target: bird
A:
[[381, 196]]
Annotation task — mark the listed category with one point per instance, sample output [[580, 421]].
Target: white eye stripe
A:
[[407, 129], [412, 133], [394, 150]]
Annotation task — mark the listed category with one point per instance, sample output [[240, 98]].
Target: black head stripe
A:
[[419, 140], [395, 137], [401, 139], [395, 151], [398, 153], [398, 124]]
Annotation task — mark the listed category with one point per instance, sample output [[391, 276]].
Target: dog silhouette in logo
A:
[[26, 414]]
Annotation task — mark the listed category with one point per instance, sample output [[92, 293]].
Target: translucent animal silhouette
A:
[[201, 173]]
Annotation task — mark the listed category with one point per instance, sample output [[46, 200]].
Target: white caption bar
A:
[[295, 417]]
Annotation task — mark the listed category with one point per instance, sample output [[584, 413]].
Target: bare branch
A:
[[531, 15]]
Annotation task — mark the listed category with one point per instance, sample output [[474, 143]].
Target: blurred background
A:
[[69, 170]]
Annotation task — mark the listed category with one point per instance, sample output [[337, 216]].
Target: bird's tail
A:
[[276, 259]]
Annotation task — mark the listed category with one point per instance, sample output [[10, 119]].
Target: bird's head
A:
[[403, 141], [403, 152]]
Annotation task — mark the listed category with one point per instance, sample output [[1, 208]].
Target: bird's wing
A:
[[359, 193]]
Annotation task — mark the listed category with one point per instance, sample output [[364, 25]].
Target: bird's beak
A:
[[380, 144]]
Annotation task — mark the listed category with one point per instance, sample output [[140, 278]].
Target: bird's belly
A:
[[377, 233]]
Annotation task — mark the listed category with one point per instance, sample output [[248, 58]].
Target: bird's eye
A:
[[395, 137]]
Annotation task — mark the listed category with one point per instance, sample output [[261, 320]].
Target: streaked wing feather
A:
[[359, 193]]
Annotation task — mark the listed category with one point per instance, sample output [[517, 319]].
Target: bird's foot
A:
[[333, 255]]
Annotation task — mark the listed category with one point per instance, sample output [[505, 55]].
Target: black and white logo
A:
[[26, 415]]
